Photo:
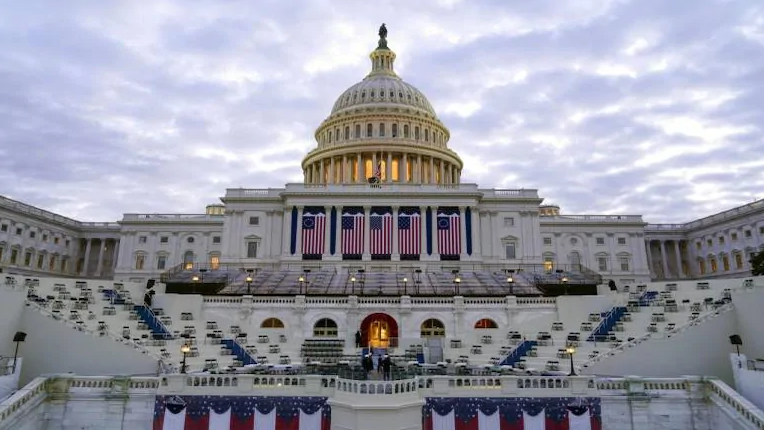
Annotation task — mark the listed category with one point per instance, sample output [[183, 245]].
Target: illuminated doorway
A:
[[379, 331]]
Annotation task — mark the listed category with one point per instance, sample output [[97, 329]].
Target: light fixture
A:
[[571, 350], [184, 349], [195, 278]]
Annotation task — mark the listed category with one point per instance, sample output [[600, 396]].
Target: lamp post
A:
[[571, 350], [184, 349], [195, 278], [301, 281], [405, 287], [248, 280], [511, 284], [19, 337], [352, 285], [565, 284], [457, 281]]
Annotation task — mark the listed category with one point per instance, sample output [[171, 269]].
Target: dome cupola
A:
[[382, 129]]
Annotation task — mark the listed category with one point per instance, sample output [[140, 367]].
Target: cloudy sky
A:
[[650, 107]]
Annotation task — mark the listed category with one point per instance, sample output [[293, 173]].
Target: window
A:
[[4, 227], [67, 243], [32, 234], [325, 327], [52, 263], [40, 261], [190, 239], [215, 239], [44, 237], [721, 240], [56, 240], [432, 328], [140, 261], [602, 264], [714, 268], [369, 130], [347, 133], [382, 130], [214, 262], [27, 258], [738, 260], [14, 255], [252, 249], [761, 230], [254, 220], [164, 239], [548, 241], [622, 241], [142, 239], [710, 242], [702, 267], [726, 262], [358, 131], [510, 250], [747, 234], [416, 133], [272, 323], [733, 236], [548, 264], [395, 130], [624, 262], [426, 134], [19, 231], [406, 131], [509, 222], [161, 262], [486, 323], [64, 265], [698, 245], [600, 241]]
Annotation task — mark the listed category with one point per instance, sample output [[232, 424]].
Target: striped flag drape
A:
[[241, 413], [409, 231], [449, 231], [352, 231], [313, 231], [380, 231], [511, 414]]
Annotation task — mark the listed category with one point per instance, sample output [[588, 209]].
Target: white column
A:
[[389, 167], [285, 230], [434, 224], [327, 231], [361, 167], [268, 236], [664, 259], [322, 179], [101, 250], [418, 171], [345, 177], [298, 251], [442, 172], [87, 257], [678, 252], [366, 232], [395, 253], [115, 255], [475, 220], [332, 172], [338, 233], [462, 232], [649, 254], [432, 170]]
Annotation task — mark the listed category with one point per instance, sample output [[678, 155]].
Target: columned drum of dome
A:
[[382, 129]]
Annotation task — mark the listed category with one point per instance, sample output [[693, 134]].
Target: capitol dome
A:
[[382, 129]]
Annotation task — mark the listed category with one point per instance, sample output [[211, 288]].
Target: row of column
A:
[[102, 245], [367, 231], [398, 167], [664, 259]]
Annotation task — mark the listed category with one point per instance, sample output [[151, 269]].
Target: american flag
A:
[[352, 233], [381, 227], [518, 413], [313, 233], [449, 233], [241, 413], [409, 232]]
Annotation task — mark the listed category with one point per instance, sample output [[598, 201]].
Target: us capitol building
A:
[[382, 192]]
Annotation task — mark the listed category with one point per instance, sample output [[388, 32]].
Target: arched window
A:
[[369, 130], [336, 134], [188, 260], [272, 323], [575, 261], [426, 134], [406, 131], [432, 328], [325, 327], [358, 131], [382, 129], [486, 323], [395, 130], [347, 132], [416, 133], [330, 137]]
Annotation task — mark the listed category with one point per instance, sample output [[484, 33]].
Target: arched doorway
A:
[[432, 328], [379, 330]]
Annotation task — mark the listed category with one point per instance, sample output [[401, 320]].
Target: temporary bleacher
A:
[[323, 351]]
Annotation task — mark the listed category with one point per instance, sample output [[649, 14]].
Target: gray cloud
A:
[[637, 107]]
